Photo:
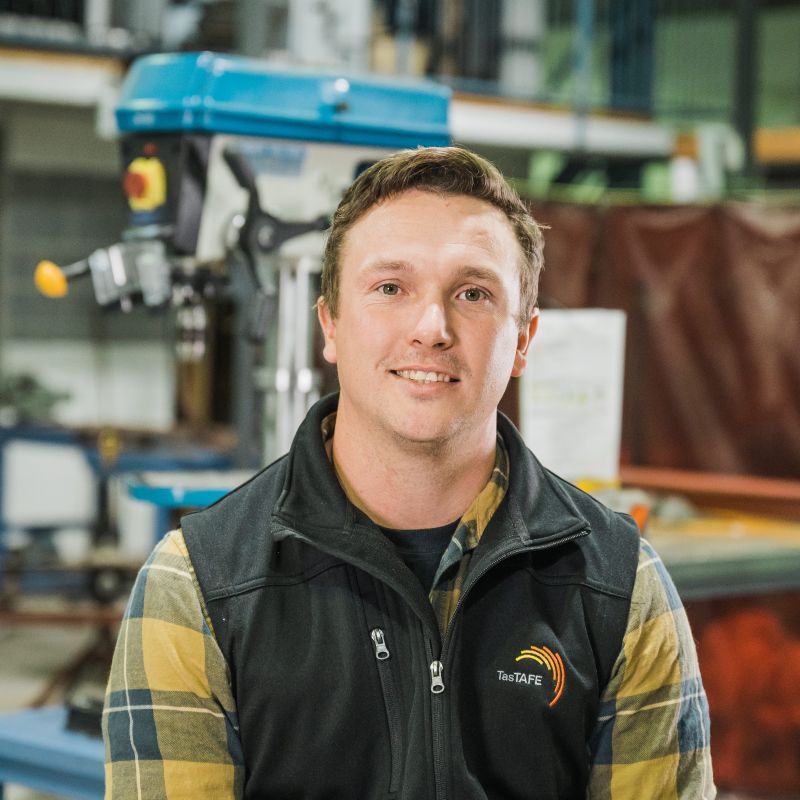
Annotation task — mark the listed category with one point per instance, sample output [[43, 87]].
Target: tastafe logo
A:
[[547, 658]]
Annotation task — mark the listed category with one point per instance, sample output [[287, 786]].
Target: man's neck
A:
[[406, 486]]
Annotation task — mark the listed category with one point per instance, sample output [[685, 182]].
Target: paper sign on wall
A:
[[571, 393]]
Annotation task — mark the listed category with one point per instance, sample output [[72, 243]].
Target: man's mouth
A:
[[420, 376]]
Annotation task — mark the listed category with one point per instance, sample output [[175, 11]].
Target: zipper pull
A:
[[437, 684], [378, 640]]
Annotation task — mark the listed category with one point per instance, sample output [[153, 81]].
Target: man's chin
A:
[[423, 437]]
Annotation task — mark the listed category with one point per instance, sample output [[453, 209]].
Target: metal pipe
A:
[[583, 69]]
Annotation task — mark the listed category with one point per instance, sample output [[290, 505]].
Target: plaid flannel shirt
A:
[[170, 723]]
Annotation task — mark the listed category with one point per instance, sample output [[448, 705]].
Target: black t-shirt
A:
[[422, 549]]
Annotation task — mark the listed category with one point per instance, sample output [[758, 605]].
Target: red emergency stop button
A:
[[145, 184], [134, 184]]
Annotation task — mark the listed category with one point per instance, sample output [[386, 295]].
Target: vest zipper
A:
[[437, 723], [437, 683], [437, 665], [379, 641], [390, 700]]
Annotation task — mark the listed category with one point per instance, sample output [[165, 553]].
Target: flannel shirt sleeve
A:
[[169, 722], [652, 733]]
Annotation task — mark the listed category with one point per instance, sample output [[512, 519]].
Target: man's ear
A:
[[328, 325], [524, 340]]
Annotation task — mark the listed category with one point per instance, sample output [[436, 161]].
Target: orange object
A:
[[50, 279], [640, 512], [749, 650]]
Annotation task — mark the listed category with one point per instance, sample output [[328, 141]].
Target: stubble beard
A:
[[432, 448], [454, 439]]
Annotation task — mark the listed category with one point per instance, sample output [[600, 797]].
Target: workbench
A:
[[137, 451], [743, 539], [728, 554]]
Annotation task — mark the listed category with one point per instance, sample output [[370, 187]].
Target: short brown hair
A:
[[446, 171]]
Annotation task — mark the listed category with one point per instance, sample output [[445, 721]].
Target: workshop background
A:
[[660, 142]]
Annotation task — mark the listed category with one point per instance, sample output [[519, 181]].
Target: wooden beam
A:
[[746, 493]]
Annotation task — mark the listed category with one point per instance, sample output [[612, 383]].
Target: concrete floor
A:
[[31, 655]]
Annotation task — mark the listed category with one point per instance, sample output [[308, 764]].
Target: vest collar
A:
[[535, 513], [312, 500]]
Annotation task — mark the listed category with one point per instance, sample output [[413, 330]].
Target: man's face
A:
[[426, 335]]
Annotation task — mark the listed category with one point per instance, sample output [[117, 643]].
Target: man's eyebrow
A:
[[479, 274], [382, 266], [467, 272]]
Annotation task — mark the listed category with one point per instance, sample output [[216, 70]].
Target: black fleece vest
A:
[[343, 684]]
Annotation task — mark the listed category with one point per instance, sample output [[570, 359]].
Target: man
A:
[[408, 604]]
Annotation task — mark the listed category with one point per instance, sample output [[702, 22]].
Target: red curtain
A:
[[712, 379]]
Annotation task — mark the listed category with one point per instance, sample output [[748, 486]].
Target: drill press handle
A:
[[240, 167], [262, 232], [53, 281]]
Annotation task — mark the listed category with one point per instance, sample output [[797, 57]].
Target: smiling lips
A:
[[421, 376]]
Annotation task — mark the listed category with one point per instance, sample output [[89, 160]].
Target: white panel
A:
[[46, 484], [128, 385], [571, 393]]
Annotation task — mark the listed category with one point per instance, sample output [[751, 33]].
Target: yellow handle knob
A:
[[50, 279]]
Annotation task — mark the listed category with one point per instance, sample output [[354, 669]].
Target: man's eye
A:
[[473, 295], [389, 289]]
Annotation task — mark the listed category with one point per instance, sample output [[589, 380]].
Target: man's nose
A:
[[432, 328]]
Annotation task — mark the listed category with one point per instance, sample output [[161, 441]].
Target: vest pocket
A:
[[391, 702]]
